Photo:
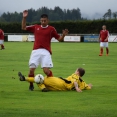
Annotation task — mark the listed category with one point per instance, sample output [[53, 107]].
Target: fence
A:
[[69, 38]]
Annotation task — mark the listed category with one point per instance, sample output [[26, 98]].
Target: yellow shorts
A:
[[53, 83]]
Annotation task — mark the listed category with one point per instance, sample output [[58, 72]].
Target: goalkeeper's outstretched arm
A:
[[76, 87]]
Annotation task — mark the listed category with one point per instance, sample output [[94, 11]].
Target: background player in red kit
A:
[[104, 35], [41, 53], [2, 39]]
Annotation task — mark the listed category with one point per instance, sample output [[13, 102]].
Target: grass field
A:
[[17, 101]]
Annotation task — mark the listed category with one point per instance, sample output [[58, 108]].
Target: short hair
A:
[[104, 25], [44, 16], [81, 71]]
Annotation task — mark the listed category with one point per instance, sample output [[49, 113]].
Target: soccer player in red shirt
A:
[[41, 53], [2, 39], [103, 37]]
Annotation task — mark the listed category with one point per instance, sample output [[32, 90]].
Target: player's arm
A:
[[100, 37], [76, 87], [90, 85], [64, 33], [25, 14]]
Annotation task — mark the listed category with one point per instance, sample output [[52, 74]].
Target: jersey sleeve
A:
[[74, 78], [2, 33], [55, 34], [31, 28], [84, 86], [87, 87], [41, 86], [100, 34]]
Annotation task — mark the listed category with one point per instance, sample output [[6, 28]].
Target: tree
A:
[[115, 15], [56, 14], [108, 14]]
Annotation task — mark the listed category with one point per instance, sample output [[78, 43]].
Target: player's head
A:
[[104, 27], [80, 71], [44, 20]]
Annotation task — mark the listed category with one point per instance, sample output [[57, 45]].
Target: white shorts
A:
[[1, 41], [40, 57], [103, 44]]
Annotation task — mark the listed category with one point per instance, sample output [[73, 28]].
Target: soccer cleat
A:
[[21, 77], [31, 87], [106, 54], [100, 54], [45, 90]]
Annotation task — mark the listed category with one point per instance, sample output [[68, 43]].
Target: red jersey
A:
[[104, 35], [1, 35], [43, 36]]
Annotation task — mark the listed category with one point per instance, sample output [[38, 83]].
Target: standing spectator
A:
[[2, 39], [104, 35], [41, 53]]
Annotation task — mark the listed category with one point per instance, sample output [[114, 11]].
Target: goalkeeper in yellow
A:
[[73, 82]]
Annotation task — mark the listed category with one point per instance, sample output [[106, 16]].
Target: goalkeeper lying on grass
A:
[[73, 82]]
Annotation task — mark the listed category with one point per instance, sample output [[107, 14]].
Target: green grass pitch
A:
[[17, 101]]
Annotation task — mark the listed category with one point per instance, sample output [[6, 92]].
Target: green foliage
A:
[[12, 27], [17, 101], [108, 14], [75, 27], [56, 14]]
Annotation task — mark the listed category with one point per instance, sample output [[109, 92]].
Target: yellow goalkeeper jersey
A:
[[61, 84]]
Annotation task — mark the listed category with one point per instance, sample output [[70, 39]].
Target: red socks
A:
[[107, 50], [31, 75], [2, 46], [50, 74], [101, 51]]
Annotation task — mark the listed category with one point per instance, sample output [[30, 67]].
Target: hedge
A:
[[74, 27]]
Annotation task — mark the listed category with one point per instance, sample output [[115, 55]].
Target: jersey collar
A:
[[44, 27]]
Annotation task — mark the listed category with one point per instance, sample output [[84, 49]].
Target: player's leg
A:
[[55, 84], [21, 77], [101, 51], [47, 71], [31, 74], [31, 80], [1, 44], [101, 48], [46, 64], [107, 49], [33, 64]]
